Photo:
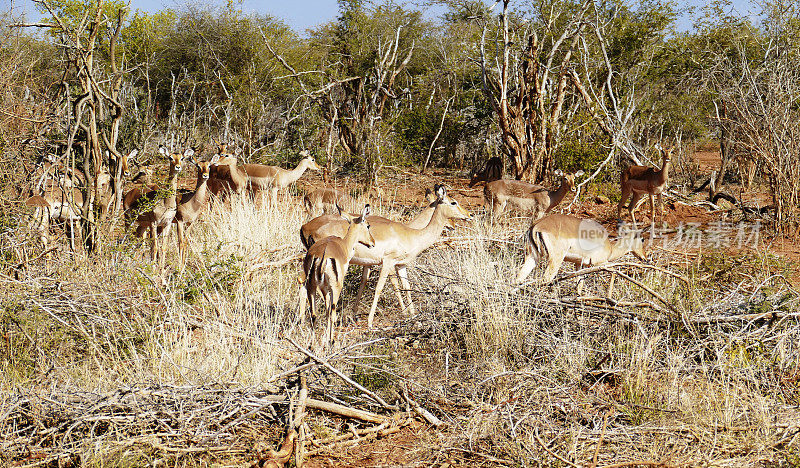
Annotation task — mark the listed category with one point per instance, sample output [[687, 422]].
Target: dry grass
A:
[[522, 374]]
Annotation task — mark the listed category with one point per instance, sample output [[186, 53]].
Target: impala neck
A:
[[422, 219], [349, 241], [296, 173], [664, 173], [238, 175], [172, 200], [620, 248], [430, 233], [201, 191], [558, 194]]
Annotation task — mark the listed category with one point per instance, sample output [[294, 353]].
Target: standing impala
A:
[[275, 178], [326, 264], [526, 197], [397, 245], [638, 181], [584, 242], [156, 208], [335, 225], [226, 176], [191, 204]]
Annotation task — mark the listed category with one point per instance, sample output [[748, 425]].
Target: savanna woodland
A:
[[189, 197]]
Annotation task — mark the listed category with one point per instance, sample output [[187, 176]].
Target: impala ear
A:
[[162, 150], [214, 160], [579, 173], [441, 192], [132, 155], [430, 195], [188, 153], [558, 172], [365, 212]]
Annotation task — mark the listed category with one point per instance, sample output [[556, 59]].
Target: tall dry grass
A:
[[512, 370]]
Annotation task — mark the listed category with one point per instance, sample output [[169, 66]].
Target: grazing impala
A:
[[584, 242], [638, 181], [275, 178], [526, 197], [191, 204], [320, 198], [493, 170], [326, 264], [156, 208]]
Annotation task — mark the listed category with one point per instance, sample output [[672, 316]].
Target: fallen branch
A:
[[425, 414], [341, 375]]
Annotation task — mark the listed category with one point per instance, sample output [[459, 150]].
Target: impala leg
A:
[[302, 300], [180, 232], [652, 210], [397, 290], [626, 192], [153, 237], [330, 308], [402, 273], [385, 269], [273, 196], [553, 264], [661, 205], [163, 248], [365, 271], [527, 267], [634, 204]]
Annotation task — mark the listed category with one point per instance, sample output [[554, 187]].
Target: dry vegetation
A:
[[107, 362]]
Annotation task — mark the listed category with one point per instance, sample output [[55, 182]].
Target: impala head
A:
[[176, 159], [363, 235], [666, 153], [568, 179], [308, 161], [126, 160], [634, 241], [145, 175], [204, 167], [452, 209]]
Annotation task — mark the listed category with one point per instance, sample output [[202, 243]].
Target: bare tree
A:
[[537, 70], [759, 80], [93, 119]]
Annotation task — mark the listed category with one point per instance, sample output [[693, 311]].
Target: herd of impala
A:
[[334, 241]]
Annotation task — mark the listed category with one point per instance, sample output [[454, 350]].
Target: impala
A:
[[62, 201], [274, 178], [155, 209], [584, 242], [325, 266], [226, 176], [526, 197], [493, 170], [397, 245], [336, 225], [638, 181], [191, 204], [318, 199]]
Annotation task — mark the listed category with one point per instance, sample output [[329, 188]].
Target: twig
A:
[[536, 436], [341, 375]]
